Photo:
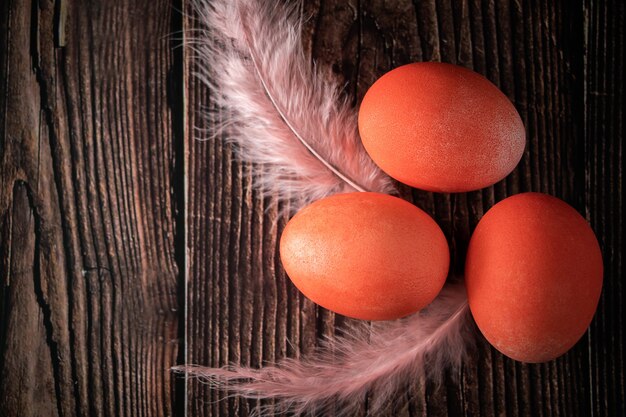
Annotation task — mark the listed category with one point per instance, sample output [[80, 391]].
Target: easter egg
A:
[[365, 255], [534, 276], [440, 127]]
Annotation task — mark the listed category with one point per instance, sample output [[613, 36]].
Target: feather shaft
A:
[[283, 114], [295, 132], [377, 359]]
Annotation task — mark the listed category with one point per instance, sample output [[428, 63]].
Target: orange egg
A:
[[533, 276], [441, 127], [365, 255]]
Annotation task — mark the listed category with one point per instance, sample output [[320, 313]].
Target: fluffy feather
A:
[[283, 114], [378, 360]]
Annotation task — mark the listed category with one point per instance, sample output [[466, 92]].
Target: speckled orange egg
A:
[[365, 255], [533, 276], [441, 127]]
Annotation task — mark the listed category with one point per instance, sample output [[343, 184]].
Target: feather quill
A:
[[378, 360], [285, 116]]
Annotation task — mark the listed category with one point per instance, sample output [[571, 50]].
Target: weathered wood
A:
[[88, 307], [603, 201], [106, 201], [561, 63]]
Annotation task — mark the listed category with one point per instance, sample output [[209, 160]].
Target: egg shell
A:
[[365, 255], [534, 276], [441, 127]]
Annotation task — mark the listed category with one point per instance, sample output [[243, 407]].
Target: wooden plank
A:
[[603, 202], [88, 321], [91, 191], [561, 64]]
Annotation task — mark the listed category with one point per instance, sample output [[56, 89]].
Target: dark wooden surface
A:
[[127, 247], [89, 304]]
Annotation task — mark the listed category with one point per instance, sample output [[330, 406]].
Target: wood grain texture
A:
[[88, 272], [561, 64], [127, 246]]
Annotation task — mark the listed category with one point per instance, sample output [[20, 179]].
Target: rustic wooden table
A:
[[127, 247]]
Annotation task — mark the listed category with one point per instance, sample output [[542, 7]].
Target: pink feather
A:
[[282, 113], [287, 118], [379, 359]]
